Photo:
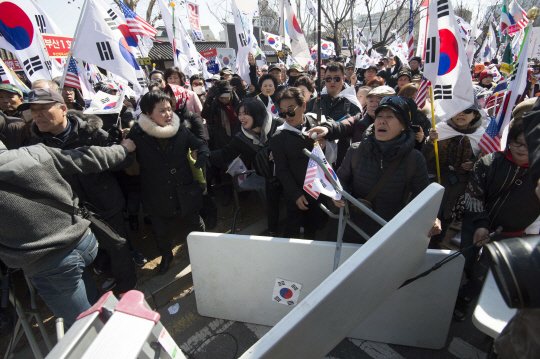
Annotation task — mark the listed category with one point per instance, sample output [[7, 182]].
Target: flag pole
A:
[[319, 87], [68, 59], [435, 146]]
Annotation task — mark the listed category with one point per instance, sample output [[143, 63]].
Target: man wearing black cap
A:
[[370, 74], [55, 126]]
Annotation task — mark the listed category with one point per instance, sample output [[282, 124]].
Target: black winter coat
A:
[[291, 163], [163, 169], [14, 131], [212, 111], [372, 165], [100, 190], [238, 146], [531, 127], [192, 121], [490, 205]]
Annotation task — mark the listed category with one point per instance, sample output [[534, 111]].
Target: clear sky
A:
[[66, 14]]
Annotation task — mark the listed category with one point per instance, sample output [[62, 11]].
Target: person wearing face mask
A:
[[457, 140], [223, 125], [197, 85], [287, 145], [163, 148], [388, 145]]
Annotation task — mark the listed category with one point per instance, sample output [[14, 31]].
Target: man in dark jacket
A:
[[52, 247], [10, 99], [333, 106], [13, 131], [55, 127]]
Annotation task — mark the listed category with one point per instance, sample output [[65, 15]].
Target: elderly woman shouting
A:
[[384, 169]]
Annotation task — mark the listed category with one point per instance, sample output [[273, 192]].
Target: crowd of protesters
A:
[[188, 131]]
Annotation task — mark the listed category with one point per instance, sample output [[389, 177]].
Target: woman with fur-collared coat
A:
[[163, 147]]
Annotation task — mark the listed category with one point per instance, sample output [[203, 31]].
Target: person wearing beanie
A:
[[388, 143], [457, 140], [404, 77], [485, 80], [414, 64]]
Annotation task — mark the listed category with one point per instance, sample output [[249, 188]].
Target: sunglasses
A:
[[336, 79], [467, 111], [290, 113]]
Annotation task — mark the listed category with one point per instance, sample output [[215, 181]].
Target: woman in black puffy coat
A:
[[163, 147], [387, 140]]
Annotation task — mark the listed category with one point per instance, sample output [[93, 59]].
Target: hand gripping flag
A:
[[136, 24], [494, 139], [446, 64], [98, 40], [316, 181]]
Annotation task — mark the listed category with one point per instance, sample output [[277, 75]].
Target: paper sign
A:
[[14, 64], [169, 345], [286, 292], [57, 46]]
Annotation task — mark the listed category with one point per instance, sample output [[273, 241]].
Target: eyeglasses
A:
[[290, 113], [335, 78], [68, 89], [518, 145]]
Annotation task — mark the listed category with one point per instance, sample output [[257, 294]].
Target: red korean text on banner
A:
[[57, 46]]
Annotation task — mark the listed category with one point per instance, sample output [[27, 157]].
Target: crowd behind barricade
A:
[[163, 153]]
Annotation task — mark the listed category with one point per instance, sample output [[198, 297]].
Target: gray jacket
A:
[[34, 236]]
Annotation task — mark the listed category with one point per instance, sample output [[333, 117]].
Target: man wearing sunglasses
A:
[[334, 106]]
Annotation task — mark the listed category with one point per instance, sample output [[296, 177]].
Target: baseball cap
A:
[[39, 96], [382, 91], [274, 67], [11, 88], [213, 78], [296, 67]]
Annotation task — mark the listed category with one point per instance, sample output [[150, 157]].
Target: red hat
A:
[[484, 73]]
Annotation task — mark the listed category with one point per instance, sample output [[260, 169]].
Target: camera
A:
[[515, 263]]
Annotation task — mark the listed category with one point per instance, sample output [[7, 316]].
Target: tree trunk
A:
[[336, 40]]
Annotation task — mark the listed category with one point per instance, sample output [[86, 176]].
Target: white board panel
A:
[[234, 277]]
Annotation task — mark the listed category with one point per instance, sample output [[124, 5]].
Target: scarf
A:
[[259, 139], [62, 136], [180, 95], [474, 135], [228, 118], [153, 129], [384, 147]]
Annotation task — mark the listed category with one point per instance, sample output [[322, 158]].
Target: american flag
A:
[[411, 31], [497, 94], [72, 75], [311, 174], [491, 140], [136, 24], [421, 95]]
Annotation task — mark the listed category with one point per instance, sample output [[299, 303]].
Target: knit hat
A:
[[523, 107], [484, 73], [224, 88], [382, 91], [416, 58], [403, 106]]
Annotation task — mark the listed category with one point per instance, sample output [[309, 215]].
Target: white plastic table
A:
[[491, 314]]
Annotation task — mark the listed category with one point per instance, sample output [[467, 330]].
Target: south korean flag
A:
[[446, 64], [286, 292]]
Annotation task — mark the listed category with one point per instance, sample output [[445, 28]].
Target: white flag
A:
[[299, 46], [99, 41], [283, 28], [243, 11], [274, 41], [7, 76], [489, 48], [471, 46], [271, 108], [237, 166], [22, 36], [103, 103], [316, 182], [312, 7], [446, 63], [185, 55], [327, 48]]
